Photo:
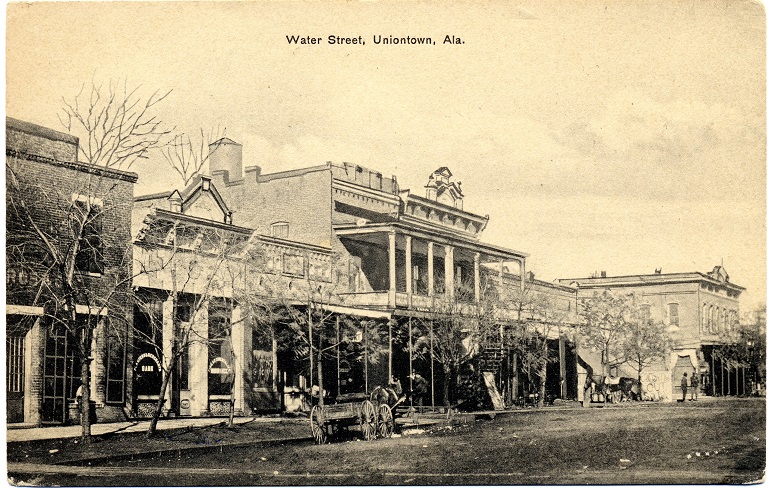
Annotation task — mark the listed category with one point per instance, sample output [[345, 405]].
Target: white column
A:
[[241, 351], [168, 345], [477, 276], [198, 353], [449, 270], [391, 255], [409, 271], [99, 361], [430, 269]]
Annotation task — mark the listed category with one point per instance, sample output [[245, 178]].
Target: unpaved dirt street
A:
[[718, 441]]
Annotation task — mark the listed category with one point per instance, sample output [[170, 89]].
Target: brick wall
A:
[[43, 163], [40, 141], [301, 198]]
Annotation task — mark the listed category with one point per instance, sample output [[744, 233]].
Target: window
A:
[[673, 314], [261, 374], [279, 229], [90, 254], [14, 363], [220, 358], [116, 356]]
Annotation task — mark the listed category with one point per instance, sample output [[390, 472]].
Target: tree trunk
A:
[[159, 406], [231, 418], [640, 386], [446, 385], [542, 384], [85, 399], [320, 373]]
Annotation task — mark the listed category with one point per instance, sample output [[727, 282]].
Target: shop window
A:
[[220, 360], [116, 357]]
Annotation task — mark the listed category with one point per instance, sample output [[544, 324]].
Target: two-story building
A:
[[395, 253], [67, 246], [698, 310]]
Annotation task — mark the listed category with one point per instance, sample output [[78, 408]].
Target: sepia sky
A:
[[620, 136]]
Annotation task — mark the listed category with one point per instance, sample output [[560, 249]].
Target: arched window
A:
[[718, 318], [673, 314], [704, 319], [710, 319]]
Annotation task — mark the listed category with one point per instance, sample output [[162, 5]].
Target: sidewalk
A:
[[72, 431]]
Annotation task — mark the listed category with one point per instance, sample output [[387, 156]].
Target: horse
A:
[[389, 395], [623, 387], [618, 389]]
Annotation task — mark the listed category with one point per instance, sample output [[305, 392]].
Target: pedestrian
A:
[[684, 386], [695, 383]]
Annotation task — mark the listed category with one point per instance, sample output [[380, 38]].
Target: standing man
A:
[[695, 383], [684, 386]]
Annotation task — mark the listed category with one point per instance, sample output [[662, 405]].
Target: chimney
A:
[[226, 155], [175, 202], [603, 274]]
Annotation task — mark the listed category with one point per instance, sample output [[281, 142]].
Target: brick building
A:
[[397, 255], [64, 216], [697, 308], [204, 274]]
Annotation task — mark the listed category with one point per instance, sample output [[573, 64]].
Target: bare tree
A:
[[60, 234], [201, 267], [187, 155], [645, 342], [535, 319], [605, 319], [116, 125], [458, 328]]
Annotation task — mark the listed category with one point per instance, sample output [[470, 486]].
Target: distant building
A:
[[47, 191], [698, 308]]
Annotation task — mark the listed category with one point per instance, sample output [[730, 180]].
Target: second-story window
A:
[[673, 314], [88, 227], [279, 229]]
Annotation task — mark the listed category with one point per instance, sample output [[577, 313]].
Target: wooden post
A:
[[411, 368], [391, 260], [390, 350], [409, 272], [430, 270], [432, 370], [309, 329], [338, 353], [365, 355]]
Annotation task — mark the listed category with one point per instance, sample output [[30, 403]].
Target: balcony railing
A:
[[381, 299]]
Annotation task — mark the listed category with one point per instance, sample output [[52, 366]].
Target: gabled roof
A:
[[187, 196]]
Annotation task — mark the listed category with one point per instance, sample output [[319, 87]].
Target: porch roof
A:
[[491, 250]]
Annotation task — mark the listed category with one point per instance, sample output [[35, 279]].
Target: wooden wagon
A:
[[374, 419]]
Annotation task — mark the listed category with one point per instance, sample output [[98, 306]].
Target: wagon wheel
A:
[[368, 420], [318, 425], [385, 422]]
